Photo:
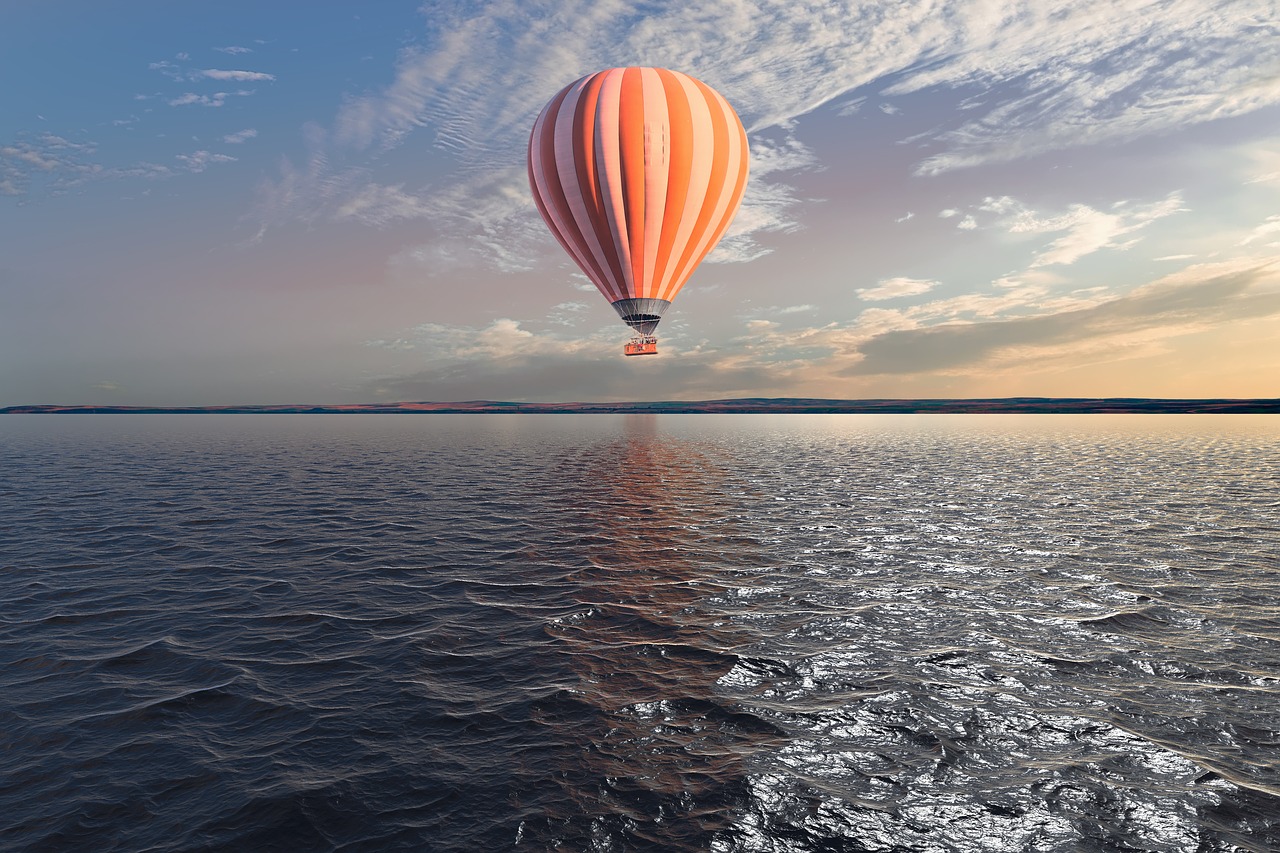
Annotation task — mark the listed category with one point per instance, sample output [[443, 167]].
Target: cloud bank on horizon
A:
[[964, 197]]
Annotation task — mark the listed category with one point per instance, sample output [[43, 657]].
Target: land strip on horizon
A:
[[753, 405]]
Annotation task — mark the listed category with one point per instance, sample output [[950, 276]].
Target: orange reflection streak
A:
[[664, 755]]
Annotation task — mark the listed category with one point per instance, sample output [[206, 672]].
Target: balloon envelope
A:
[[638, 172]]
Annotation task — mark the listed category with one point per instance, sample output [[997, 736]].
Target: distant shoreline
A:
[[1005, 405]]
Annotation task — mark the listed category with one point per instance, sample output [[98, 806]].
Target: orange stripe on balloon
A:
[[731, 197], [702, 147], [631, 160], [657, 130], [680, 162], [715, 185]]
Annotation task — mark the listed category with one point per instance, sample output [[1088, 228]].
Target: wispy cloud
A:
[[239, 76], [198, 161], [1082, 73], [45, 159], [567, 313], [1123, 67], [895, 288], [217, 99], [240, 136], [1265, 231], [1052, 76], [168, 69], [63, 164], [580, 282], [1083, 229], [374, 204], [769, 205], [234, 50], [183, 74]]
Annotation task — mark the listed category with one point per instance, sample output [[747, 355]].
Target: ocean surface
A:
[[640, 632]]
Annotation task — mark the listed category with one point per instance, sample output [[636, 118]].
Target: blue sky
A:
[[241, 203]]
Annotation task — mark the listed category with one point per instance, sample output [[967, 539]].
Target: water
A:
[[609, 633]]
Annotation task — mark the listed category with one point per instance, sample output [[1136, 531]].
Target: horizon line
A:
[[732, 405]]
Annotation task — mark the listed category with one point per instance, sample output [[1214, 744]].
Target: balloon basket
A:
[[644, 345]]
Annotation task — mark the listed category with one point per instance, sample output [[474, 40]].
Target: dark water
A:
[[726, 633]]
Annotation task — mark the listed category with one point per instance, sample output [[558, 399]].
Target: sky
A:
[[245, 202]]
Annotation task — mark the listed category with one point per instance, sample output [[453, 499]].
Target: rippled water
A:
[[702, 632]]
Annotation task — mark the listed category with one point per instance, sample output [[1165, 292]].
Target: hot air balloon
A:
[[638, 172]]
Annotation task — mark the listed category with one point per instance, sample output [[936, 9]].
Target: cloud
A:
[[217, 99], [506, 361], [489, 218], [233, 50], [1051, 76], [851, 106], [57, 143], [487, 72], [1198, 298], [1081, 73], [895, 288], [240, 136], [239, 76], [567, 313], [1084, 230], [768, 207], [181, 74], [1267, 229], [377, 205], [61, 164], [30, 157], [884, 352], [394, 344], [1054, 76], [48, 160], [779, 62], [198, 161], [763, 314], [168, 69]]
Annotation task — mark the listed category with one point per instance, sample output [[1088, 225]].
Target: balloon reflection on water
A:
[[662, 757]]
